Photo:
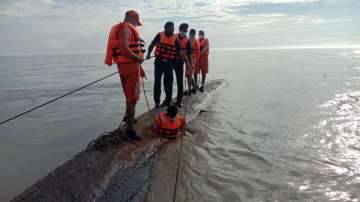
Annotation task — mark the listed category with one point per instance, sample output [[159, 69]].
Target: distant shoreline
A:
[[212, 49]]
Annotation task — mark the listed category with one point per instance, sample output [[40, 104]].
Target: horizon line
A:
[[354, 46]]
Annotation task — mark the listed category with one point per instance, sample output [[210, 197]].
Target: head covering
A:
[[172, 110], [169, 24], [184, 26], [134, 14]]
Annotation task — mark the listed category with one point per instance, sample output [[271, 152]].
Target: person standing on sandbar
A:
[[167, 48], [125, 49]]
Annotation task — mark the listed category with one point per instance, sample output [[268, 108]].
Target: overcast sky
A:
[[52, 26]]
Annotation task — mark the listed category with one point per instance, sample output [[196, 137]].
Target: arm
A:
[[189, 51], [150, 49], [182, 54], [123, 35], [184, 57], [152, 45], [205, 49], [109, 57]]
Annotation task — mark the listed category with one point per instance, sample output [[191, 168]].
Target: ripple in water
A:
[[339, 136]]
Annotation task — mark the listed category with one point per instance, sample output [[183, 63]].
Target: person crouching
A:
[[169, 124]]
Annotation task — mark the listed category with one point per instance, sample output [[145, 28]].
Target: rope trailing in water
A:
[[57, 98], [181, 146]]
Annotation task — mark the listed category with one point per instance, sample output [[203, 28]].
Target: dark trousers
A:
[[166, 68], [179, 73]]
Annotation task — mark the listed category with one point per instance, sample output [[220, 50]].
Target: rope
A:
[[57, 98], [61, 96], [180, 150], [147, 102]]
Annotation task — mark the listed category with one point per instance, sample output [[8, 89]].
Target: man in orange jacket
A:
[[125, 49], [195, 54], [185, 45], [167, 48], [169, 124], [203, 65]]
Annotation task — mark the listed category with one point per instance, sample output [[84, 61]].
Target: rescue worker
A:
[[169, 124], [167, 48], [195, 55], [179, 63], [125, 49], [203, 65]]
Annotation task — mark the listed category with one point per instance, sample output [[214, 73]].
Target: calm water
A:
[[286, 128]]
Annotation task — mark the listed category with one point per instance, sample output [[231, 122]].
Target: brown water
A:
[[286, 128]]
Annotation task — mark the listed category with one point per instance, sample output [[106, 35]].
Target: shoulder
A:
[[123, 27], [183, 121], [181, 118], [156, 38], [174, 37], [162, 114], [158, 119]]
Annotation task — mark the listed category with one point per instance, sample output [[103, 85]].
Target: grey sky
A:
[[52, 26]]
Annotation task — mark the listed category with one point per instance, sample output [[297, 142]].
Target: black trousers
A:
[[179, 73], [166, 68]]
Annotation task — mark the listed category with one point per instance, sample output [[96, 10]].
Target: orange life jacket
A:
[[113, 52], [195, 52], [168, 128], [166, 49], [204, 42], [183, 41], [195, 48]]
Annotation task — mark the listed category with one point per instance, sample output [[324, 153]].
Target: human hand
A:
[[108, 62], [140, 60]]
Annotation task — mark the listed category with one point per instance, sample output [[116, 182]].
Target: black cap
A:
[[201, 32], [192, 31]]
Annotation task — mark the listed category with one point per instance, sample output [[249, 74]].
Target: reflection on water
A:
[[336, 140], [277, 133]]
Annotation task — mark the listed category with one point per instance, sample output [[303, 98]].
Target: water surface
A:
[[286, 128]]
